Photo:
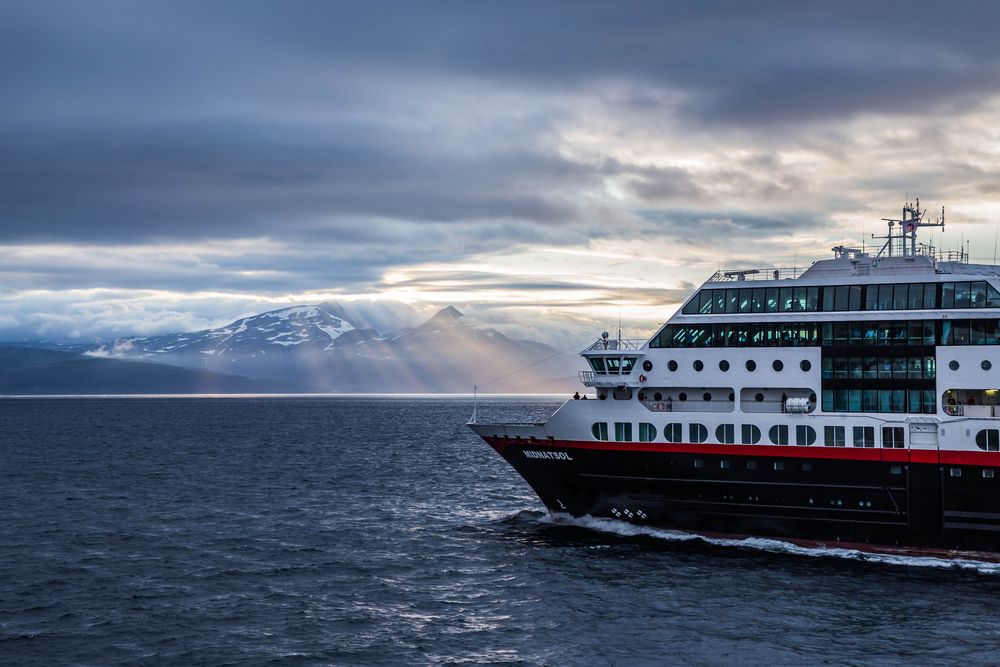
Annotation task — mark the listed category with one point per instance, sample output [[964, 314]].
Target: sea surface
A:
[[381, 531]]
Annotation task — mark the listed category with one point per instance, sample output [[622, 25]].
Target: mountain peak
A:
[[450, 312]]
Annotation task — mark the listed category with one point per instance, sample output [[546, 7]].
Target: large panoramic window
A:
[[872, 333], [839, 298]]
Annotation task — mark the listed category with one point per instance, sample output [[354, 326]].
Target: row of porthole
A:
[[985, 365], [751, 365]]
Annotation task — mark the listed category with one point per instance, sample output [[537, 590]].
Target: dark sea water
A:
[[310, 531]]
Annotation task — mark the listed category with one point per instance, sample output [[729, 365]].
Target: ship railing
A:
[[772, 273], [631, 344], [688, 406], [972, 410], [592, 379], [768, 406]]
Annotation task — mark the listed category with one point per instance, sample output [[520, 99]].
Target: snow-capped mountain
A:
[[298, 327], [319, 349]]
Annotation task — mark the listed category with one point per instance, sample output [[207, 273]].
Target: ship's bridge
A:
[[612, 362]]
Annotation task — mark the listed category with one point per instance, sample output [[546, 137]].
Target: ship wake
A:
[[864, 553]]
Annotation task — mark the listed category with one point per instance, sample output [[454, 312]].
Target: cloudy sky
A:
[[546, 166]]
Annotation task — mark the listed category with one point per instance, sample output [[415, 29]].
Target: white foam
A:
[[770, 545]]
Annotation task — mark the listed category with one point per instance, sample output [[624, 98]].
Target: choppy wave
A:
[[770, 545]]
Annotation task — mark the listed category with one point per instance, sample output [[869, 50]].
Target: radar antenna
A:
[[903, 243]]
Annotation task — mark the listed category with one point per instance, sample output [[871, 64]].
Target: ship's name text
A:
[[552, 456]]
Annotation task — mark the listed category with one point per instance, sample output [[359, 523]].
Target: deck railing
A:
[[631, 344]]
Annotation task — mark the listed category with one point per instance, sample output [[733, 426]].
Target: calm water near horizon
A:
[[381, 530]]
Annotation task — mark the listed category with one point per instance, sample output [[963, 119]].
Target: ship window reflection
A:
[[623, 431], [771, 301], [988, 439], [778, 434], [673, 433], [750, 434]]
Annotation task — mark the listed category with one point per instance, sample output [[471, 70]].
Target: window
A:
[[892, 437], [672, 365], [623, 431], [778, 434], [805, 365], [723, 365], [988, 439], [699, 463], [988, 473], [647, 432], [725, 433], [953, 365], [698, 365], [698, 433], [706, 397], [750, 434], [673, 433], [955, 472], [597, 363], [751, 365], [724, 464], [779, 465], [777, 365], [833, 436], [600, 430], [751, 465], [986, 365], [805, 435], [864, 436]]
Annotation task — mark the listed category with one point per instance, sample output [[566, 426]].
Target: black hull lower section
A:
[[901, 503]]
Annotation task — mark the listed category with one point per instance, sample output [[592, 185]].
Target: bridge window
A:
[[726, 434], [833, 436], [778, 434], [647, 432], [673, 433], [600, 430], [623, 431], [750, 434], [597, 363], [864, 436], [892, 437], [988, 439], [805, 435], [698, 433]]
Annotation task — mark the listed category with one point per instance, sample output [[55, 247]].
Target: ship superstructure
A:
[[856, 400]]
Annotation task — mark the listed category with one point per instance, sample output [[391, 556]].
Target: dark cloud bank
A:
[[362, 128]]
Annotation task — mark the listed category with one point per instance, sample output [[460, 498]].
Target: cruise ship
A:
[[855, 401]]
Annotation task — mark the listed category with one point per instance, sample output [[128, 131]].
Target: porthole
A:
[[777, 365], [672, 365], [986, 365], [759, 397], [682, 396], [953, 365], [698, 366], [657, 396], [805, 365], [706, 397], [647, 365], [751, 365], [723, 365]]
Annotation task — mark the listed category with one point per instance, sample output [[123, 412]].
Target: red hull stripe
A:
[[783, 451]]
